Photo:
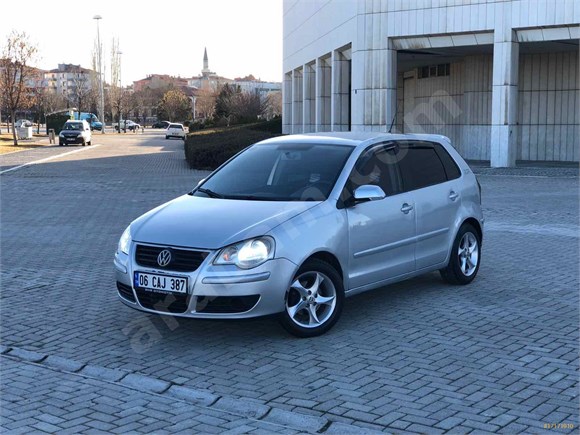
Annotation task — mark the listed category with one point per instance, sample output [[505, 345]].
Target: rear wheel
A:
[[314, 301], [465, 257], [166, 137]]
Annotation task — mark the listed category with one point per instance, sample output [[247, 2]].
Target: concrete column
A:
[[390, 85], [287, 104], [504, 99], [308, 97], [340, 96], [322, 95], [297, 101]]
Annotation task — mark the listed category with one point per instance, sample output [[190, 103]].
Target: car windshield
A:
[[73, 126], [288, 172]]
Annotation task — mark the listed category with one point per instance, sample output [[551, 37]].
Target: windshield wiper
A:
[[209, 193]]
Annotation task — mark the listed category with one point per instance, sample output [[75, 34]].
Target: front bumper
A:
[[214, 292], [65, 139]]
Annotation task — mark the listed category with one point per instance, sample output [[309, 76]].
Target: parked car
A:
[[293, 225], [127, 124], [161, 124], [175, 130], [23, 123], [75, 132]]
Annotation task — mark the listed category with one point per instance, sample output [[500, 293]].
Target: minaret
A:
[[205, 71]]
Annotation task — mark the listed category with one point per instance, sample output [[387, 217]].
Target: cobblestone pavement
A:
[[500, 355]]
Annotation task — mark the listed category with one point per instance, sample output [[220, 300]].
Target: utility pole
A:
[[101, 91]]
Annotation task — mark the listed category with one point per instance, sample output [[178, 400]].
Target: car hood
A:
[[211, 223]]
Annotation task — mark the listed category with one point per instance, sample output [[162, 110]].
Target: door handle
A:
[[406, 208], [453, 195]]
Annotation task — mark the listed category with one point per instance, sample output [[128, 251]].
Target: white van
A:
[[75, 132]]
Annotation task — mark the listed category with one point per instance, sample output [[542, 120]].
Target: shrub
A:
[[209, 149]]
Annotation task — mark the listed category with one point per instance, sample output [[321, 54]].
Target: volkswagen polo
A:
[[296, 224]]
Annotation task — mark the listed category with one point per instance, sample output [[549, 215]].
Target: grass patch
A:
[[208, 149]]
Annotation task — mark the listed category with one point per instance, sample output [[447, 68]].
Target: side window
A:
[[420, 167], [451, 168], [377, 167]]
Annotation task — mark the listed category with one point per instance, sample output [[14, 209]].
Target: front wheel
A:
[[465, 257], [314, 301]]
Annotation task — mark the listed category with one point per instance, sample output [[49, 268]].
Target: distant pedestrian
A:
[[142, 129]]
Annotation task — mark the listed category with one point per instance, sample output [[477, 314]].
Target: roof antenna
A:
[[394, 117]]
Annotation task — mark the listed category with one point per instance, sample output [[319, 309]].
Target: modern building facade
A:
[[500, 78]]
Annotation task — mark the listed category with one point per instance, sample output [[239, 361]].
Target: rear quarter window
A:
[[451, 168], [420, 167]]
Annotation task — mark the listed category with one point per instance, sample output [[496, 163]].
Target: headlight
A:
[[61, 134], [247, 254], [125, 241]]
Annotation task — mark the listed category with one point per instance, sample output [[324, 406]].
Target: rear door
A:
[[431, 175], [381, 232]]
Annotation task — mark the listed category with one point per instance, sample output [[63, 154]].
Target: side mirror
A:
[[368, 192]]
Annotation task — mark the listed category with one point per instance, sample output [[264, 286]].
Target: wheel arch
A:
[[329, 258], [475, 224]]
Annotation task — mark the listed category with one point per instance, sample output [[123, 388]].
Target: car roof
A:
[[350, 138]]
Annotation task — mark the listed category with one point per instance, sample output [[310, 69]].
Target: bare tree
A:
[[205, 103], [15, 74], [81, 88], [116, 92], [273, 105]]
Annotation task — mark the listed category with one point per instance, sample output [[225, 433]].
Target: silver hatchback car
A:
[[293, 225]]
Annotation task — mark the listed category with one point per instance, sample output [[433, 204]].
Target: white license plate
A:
[[155, 282]]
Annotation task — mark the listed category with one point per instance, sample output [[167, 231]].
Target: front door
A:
[[382, 232]]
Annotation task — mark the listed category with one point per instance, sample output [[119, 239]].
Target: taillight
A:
[[479, 187]]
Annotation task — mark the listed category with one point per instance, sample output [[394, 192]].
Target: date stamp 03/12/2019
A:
[[558, 425]]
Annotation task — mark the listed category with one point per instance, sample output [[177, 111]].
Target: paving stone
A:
[[145, 383], [336, 428], [242, 407], [191, 395], [61, 363], [296, 421], [26, 355]]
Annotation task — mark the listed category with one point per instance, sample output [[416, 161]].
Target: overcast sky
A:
[[163, 37]]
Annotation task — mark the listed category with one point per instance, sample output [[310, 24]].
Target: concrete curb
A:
[[249, 409]]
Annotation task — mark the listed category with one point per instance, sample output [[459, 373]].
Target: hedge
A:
[[209, 149]]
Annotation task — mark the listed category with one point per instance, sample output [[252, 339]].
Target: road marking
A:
[[48, 158]]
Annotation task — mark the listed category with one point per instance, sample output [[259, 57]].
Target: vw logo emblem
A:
[[164, 258]]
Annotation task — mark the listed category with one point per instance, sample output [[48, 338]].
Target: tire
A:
[[324, 298], [166, 137], [463, 265], [60, 143], [83, 143], [89, 143]]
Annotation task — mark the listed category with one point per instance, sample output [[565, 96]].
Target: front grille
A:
[[181, 260], [125, 292], [225, 304], [166, 302]]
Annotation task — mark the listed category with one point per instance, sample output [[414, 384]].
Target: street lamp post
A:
[[119, 53], [101, 92]]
